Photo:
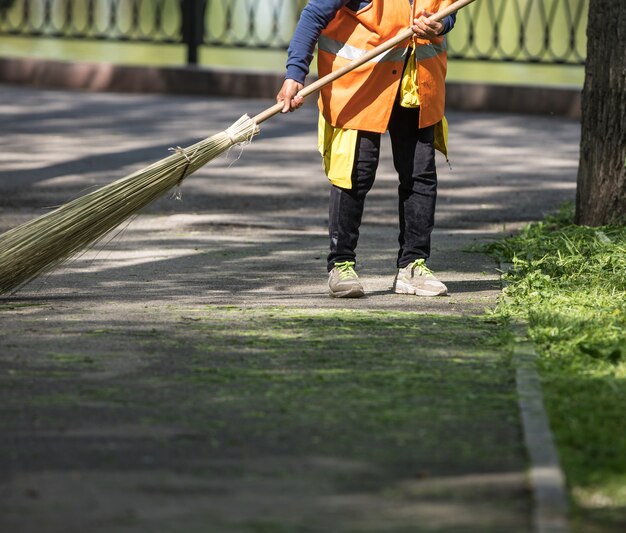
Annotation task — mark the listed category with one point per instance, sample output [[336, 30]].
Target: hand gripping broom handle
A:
[[386, 46]]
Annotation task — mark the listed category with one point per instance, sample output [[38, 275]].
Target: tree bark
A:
[[601, 188]]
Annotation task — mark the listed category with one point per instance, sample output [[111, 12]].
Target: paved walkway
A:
[[249, 237]]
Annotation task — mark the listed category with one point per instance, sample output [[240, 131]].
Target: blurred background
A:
[[532, 42]]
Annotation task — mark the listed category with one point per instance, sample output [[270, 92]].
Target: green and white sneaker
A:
[[343, 281], [418, 279]]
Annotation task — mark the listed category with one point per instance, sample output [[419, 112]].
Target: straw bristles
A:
[[40, 244]]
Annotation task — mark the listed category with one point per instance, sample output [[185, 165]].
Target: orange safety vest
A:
[[363, 99]]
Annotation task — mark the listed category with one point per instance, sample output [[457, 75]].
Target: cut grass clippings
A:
[[316, 419], [569, 283]]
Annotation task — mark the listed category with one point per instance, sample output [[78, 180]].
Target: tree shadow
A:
[[221, 407]]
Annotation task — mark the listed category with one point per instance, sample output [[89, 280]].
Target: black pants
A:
[[414, 160]]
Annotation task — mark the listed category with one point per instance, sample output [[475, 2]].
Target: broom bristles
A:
[[37, 246]]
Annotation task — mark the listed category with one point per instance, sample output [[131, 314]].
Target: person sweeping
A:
[[372, 80], [402, 92]]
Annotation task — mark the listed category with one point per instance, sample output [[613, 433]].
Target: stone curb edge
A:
[[216, 81], [550, 509]]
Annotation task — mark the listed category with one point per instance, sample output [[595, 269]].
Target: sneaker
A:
[[343, 281], [418, 279]]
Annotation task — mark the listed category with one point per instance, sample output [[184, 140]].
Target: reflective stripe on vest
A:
[[351, 53]]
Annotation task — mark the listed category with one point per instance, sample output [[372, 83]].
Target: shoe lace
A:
[[346, 270], [420, 266]]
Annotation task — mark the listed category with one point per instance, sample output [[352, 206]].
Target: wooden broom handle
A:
[[385, 47]]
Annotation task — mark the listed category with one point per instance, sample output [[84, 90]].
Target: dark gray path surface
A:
[[257, 226], [249, 233]]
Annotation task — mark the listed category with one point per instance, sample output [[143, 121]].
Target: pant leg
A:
[[414, 159], [346, 205]]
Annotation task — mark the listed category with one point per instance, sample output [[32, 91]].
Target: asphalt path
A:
[[248, 234]]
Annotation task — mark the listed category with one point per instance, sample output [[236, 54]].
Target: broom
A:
[[39, 245]]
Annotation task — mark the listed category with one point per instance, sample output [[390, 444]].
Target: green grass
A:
[[569, 282]]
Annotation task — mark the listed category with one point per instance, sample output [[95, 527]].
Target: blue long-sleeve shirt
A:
[[314, 18]]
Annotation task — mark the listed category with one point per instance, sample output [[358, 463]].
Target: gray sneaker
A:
[[418, 279], [343, 281]]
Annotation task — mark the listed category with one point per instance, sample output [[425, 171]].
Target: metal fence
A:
[[527, 31]]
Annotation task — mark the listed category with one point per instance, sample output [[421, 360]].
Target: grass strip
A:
[[569, 283]]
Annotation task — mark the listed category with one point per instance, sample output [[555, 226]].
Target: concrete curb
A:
[[523, 99], [105, 77], [546, 477]]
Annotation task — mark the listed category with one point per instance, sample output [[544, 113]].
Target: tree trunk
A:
[[601, 191]]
